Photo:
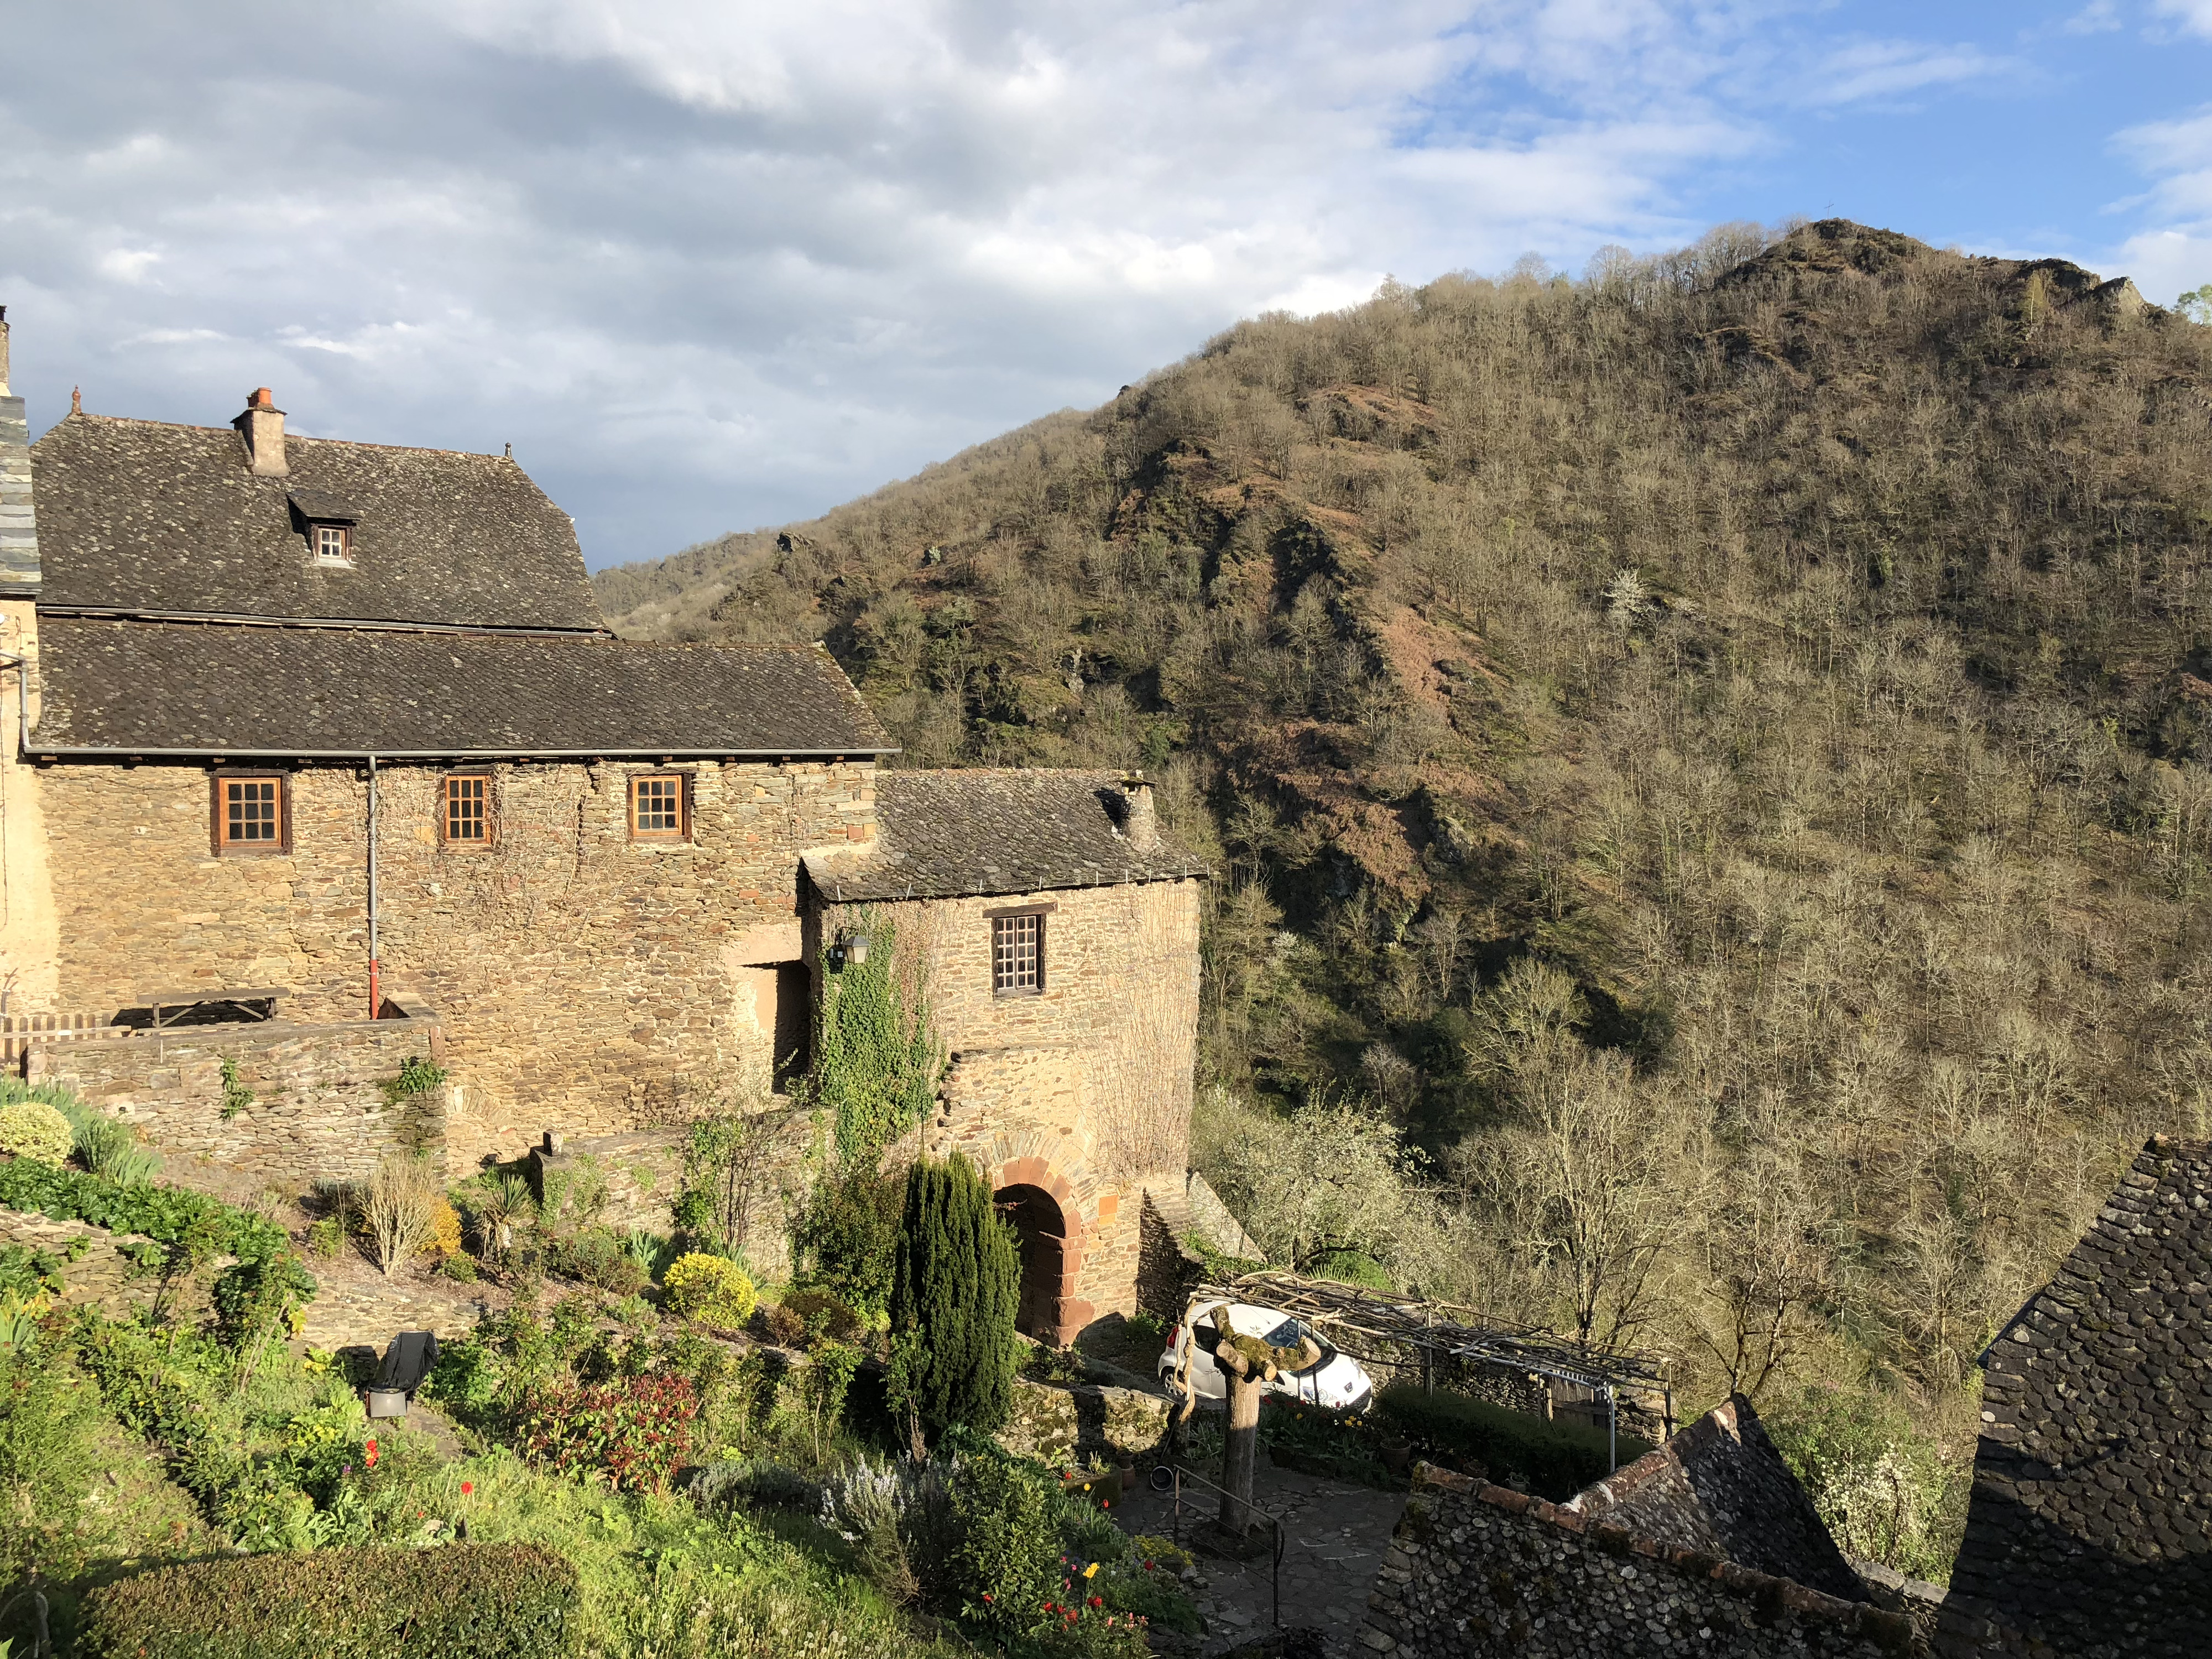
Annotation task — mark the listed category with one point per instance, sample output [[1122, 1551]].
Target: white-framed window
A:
[[333, 542]]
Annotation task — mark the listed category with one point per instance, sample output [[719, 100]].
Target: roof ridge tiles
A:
[[290, 438]]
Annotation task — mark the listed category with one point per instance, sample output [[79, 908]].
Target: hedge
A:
[[1558, 1458], [460, 1601], [168, 1215]]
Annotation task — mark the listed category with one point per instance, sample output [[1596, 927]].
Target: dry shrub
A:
[[399, 1209]]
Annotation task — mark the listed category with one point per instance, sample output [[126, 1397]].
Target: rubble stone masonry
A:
[[318, 1109], [1083, 1091], [587, 984], [1477, 1570]]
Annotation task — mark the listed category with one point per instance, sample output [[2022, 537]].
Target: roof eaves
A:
[[672, 751]]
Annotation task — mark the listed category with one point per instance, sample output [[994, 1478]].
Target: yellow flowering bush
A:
[[30, 1128], [708, 1290], [445, 1232]]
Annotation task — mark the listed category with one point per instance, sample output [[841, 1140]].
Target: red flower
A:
[[1097, 1600], [468, 1486], [987, 1595], [368, 1454]]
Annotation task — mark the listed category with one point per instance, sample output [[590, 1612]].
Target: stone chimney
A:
[[261, 426], [19, 529], [1141, 825]]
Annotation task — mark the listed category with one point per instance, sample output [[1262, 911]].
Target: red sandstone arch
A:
[[1042, 1206]]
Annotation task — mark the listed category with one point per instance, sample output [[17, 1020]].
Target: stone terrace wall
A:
[[1479, 1569], [319, 1111], [589, 985]]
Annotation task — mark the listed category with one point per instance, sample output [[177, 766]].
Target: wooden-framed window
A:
[[1018, 954], [332, 543], [252, 812], [660, 806], [465, 817]]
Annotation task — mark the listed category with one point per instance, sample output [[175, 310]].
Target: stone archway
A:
[[1042, 1231], [1046, 1210]]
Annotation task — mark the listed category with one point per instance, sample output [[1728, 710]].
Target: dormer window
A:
[[327, 522]]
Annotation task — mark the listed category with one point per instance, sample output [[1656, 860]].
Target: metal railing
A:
[[1177, 1474]]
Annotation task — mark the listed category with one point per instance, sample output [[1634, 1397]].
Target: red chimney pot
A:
[[263, 398]]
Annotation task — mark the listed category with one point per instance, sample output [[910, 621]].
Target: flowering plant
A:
[[632, 1432]]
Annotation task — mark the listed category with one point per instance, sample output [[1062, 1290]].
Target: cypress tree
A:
[[955, 1290]]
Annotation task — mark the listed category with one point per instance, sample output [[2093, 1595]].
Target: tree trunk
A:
[[1240, 1454]]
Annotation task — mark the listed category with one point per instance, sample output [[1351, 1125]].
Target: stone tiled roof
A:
[[150, 518], [184, 688], [2090, 1525], [946, 833], [1720, 1487]]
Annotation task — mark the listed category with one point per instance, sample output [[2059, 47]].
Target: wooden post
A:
[[1240, 1455]]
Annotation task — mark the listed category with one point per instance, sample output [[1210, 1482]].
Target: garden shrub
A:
[[708, 1290], [168, 1215], [399, 1209], [954, 1294], [326, 1238], [32, 1128], [631, 1432], [261, 1297], [461, 1269], [1558, 1458], [847, 1234], [821, 1315], [445, 1238], [462, 1601], [598, 1258], [783, 1324], [1007, 1559]]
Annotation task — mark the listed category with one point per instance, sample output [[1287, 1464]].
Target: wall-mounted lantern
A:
[[856, 948]]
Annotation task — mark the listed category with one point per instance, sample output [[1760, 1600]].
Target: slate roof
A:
[[2090, 1524], [184, 688], [971, 831], [1720, 1487], [150, 518]]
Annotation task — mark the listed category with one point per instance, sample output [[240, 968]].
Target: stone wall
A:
[[1084, 1091], [642, 1174], [589, 984], [1479, 1569], [319, 1111]]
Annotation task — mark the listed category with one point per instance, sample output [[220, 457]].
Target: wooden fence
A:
[[19, 1031]]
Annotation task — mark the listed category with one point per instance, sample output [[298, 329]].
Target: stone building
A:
[[2089, 1530], [324, 751]]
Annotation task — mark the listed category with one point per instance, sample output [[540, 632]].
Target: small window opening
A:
[[333, 543], [657, 804], [1016, 955], [249, 815], [468, 809]]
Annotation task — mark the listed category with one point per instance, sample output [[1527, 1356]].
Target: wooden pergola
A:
[[1389, 1329]]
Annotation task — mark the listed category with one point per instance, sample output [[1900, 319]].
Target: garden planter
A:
[[386, 1402], [1397, 1457]]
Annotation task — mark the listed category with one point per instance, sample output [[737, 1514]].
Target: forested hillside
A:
[[1705, 765]]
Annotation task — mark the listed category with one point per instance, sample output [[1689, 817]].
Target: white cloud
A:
[[712, 263], [1890, 69], [2194, 15]]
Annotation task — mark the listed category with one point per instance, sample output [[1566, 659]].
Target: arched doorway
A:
[[1043, 1229]]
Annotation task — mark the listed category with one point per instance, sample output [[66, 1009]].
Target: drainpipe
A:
[[22, 667], [375, 997]]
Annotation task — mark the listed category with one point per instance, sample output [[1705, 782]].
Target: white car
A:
[[1334, 1381]]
